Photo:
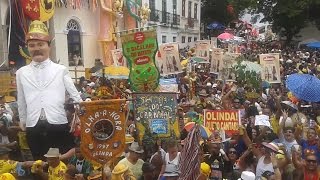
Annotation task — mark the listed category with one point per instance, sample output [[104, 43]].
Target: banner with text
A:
[[228, 60], [169, 63], [214, 42], [102, 130], [228, 120], [270, 67], [155, 113], [202, 49], [118, 58], [140, 49], [216, 59]]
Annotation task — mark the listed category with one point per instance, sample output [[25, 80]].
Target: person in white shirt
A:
[[42, 87]]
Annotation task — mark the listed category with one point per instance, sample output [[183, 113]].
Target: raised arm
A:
[[249, 144]]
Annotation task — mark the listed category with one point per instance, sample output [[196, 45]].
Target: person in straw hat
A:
[[122, 172], [57, 168], [133, 160], [41, 88]]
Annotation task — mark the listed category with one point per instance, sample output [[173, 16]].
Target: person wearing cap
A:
[[7, 176], [42, 87], [122, 172], [133, 161], [205, 171], [57, 168], [247, 175]]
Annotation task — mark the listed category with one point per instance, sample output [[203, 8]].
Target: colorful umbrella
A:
[[215, 25], [117, 72], [197, 60], [304, 86], [225, 36], [205, 132], [314, 45]]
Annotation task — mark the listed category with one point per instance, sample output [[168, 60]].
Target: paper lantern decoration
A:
[[41, 10]]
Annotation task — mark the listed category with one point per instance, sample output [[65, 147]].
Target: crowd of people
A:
[[288, 148]]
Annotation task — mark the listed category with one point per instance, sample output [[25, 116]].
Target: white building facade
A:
[[176, 20]]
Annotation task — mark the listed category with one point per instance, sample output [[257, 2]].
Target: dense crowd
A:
[[36, 142]]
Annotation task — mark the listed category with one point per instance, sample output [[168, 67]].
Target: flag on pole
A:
[[190, 168]]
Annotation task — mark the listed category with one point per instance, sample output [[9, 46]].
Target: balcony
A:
[[164, 17]]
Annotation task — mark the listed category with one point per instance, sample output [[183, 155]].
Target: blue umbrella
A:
[[314, 45], [304, 86], [215, 25]]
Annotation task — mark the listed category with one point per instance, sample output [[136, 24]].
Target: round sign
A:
[[103, 129]]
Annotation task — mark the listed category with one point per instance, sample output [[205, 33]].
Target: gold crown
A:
[[38, 30]]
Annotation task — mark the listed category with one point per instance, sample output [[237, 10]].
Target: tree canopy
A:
[[287, 17]]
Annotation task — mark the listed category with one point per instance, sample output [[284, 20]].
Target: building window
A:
[[195, 16], [189, 9], [74, 43], [174, 6], [164, 39], [174, 39], [183, 39], [189, 39], [195, 39], [164, 11], [152, 4], [183, 8]]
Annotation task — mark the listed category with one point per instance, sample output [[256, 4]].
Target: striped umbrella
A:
[[190, 168]]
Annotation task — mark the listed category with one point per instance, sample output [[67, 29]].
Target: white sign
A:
[[262, 120]]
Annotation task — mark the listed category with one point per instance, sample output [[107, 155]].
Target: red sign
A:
[[168, 48], [228, 120], [139, 37], [142, 60]]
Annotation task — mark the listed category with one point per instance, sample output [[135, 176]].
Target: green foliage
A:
[[215, 10], [244, 77], [287, 17]]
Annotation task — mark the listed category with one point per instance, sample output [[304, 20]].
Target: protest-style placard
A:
[[214, 42], [228, 60], [202, 48], [227, 120], [262, 120], [216, 59], [118, 58], [155, 113], [270, 67], [169, 62], [102, 130]]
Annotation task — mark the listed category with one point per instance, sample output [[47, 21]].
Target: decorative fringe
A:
[[78, 4]]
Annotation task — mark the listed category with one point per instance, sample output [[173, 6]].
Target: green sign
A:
[[140, 49], [155, 113]]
